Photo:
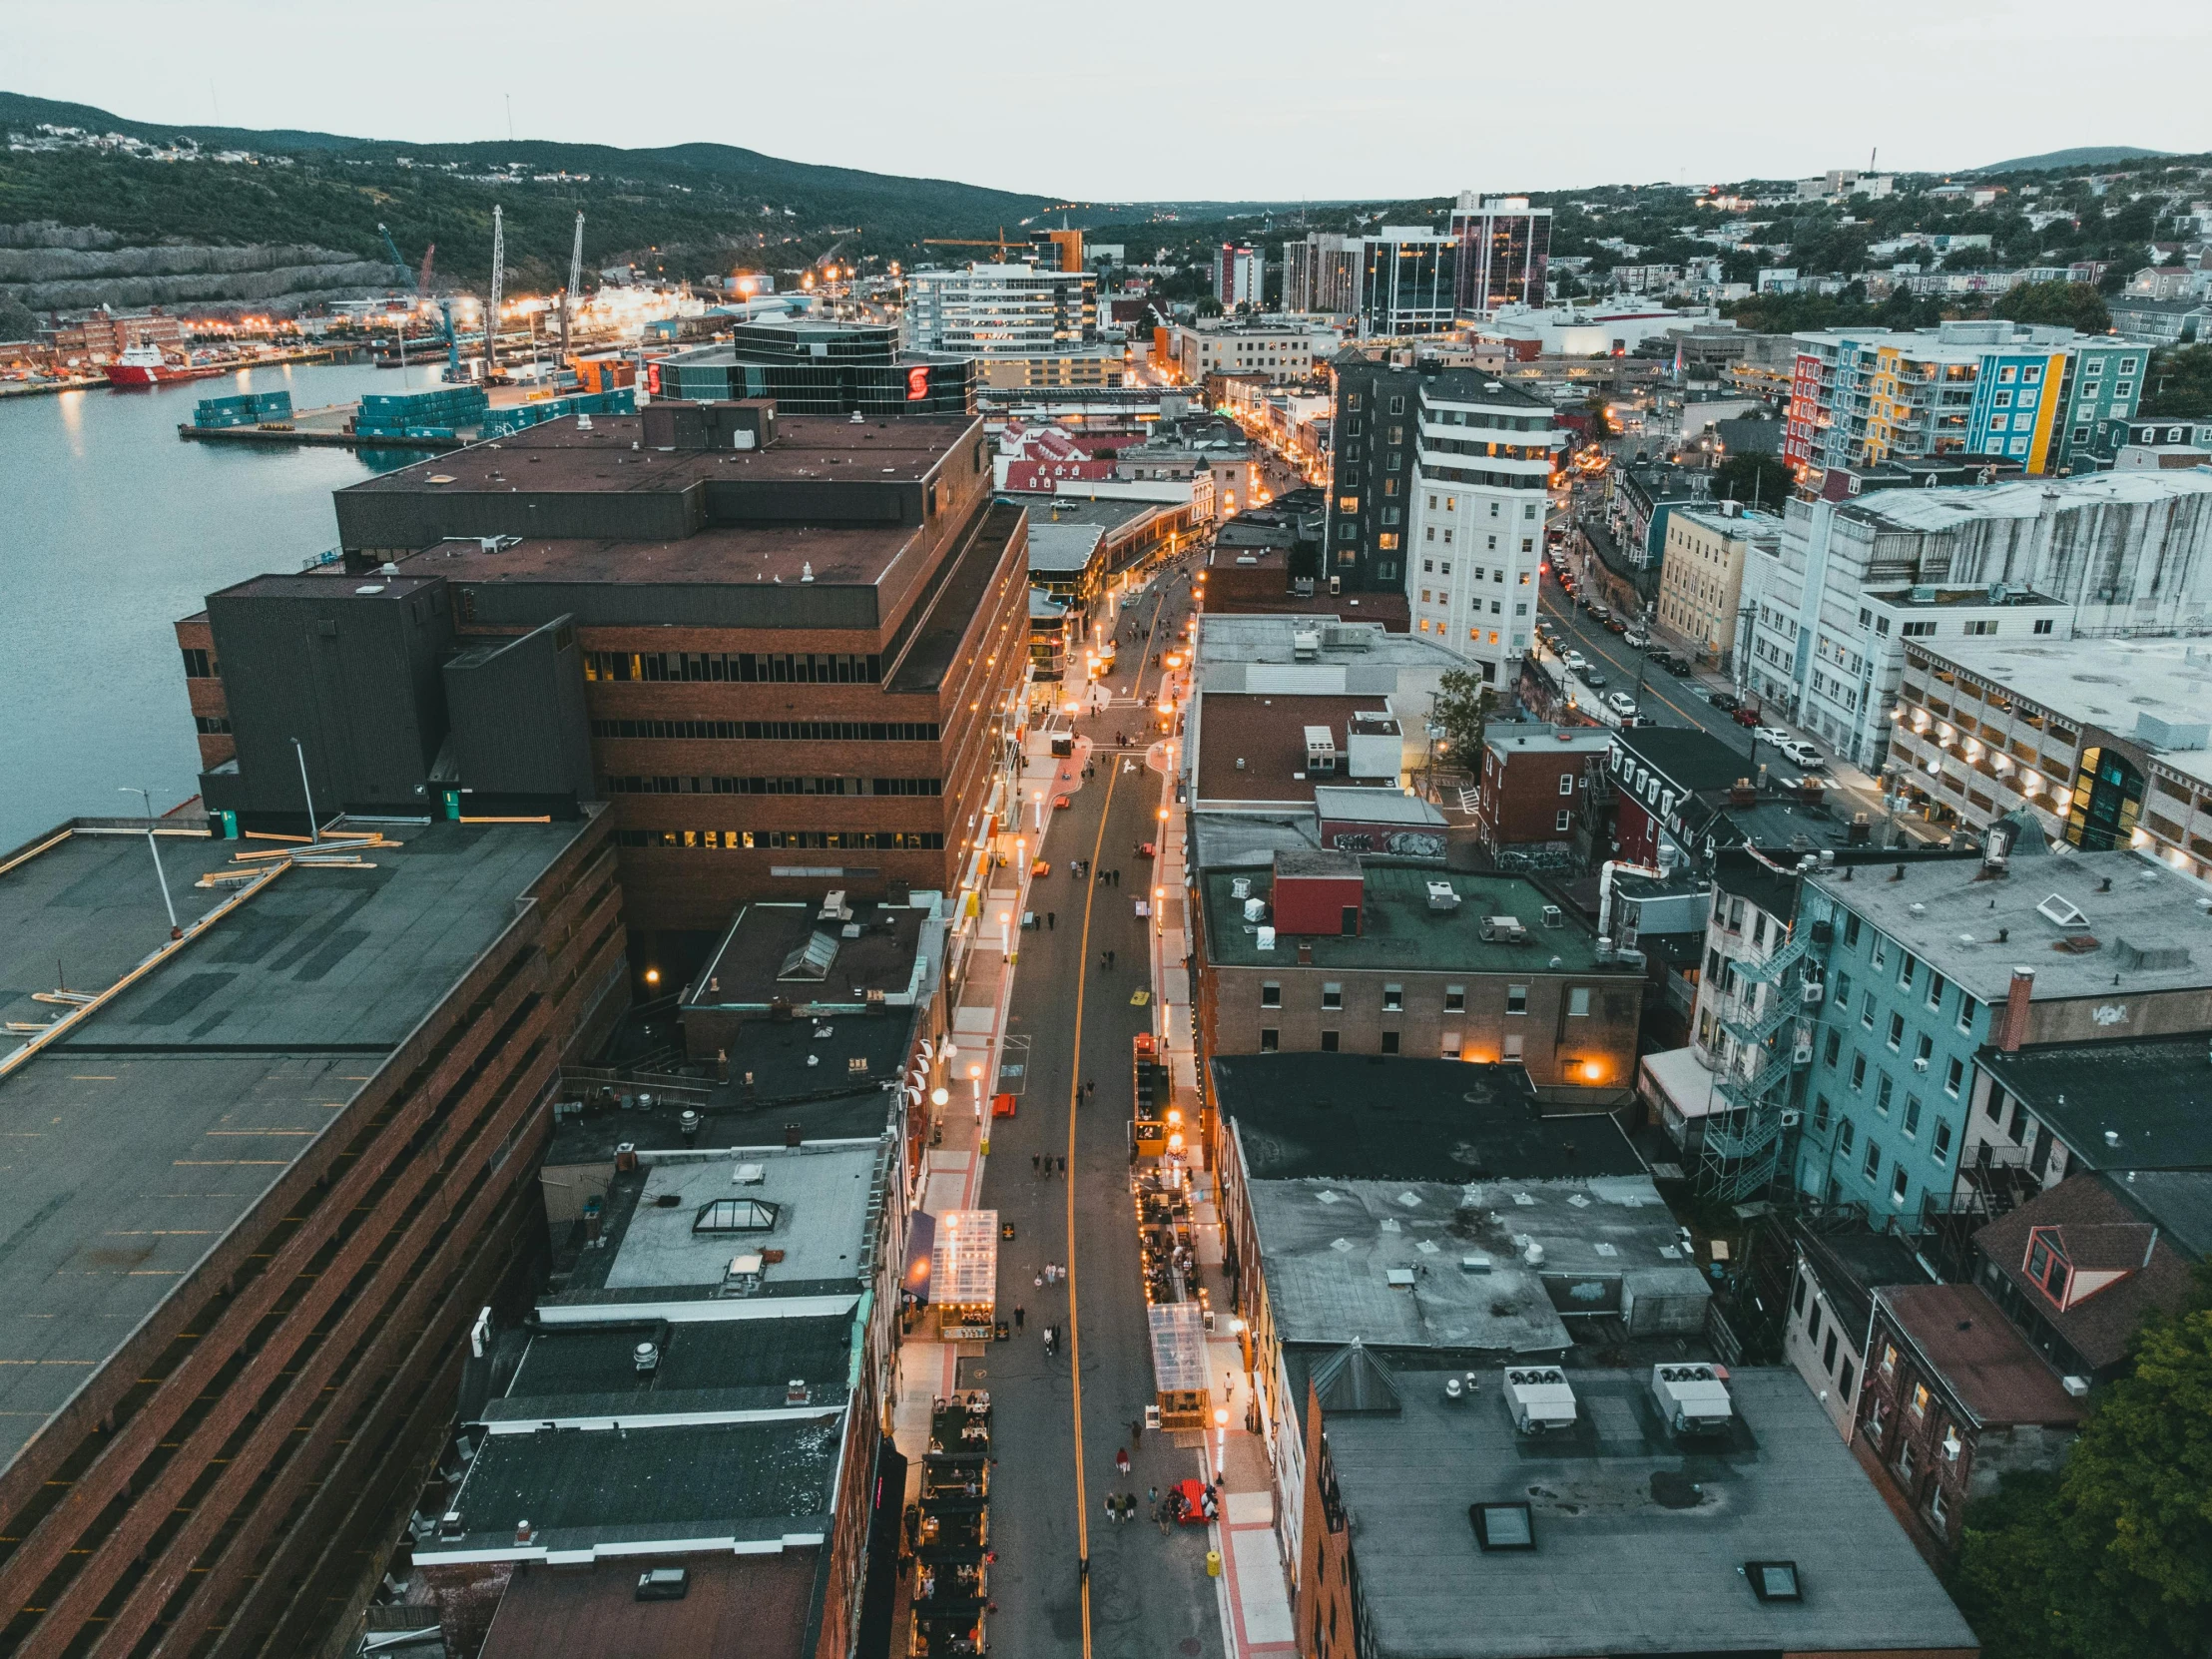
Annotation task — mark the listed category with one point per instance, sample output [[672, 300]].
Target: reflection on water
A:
[[114, 528]]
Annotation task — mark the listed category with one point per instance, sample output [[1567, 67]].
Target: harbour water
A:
[[111, 528]]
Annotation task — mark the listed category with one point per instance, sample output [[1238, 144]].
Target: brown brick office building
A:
[[793, 647]]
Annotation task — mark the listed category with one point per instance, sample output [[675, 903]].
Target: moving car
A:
[[1620, 702], [1061, 802], [1576, 661], [1779, 735], [1726, 702], [1802, 754]]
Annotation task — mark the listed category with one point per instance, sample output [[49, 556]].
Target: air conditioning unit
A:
[[1921, 1064], [1539, 1399], [1504, 930], [1801, 1050], [1792, 1117], [1692, 1398]]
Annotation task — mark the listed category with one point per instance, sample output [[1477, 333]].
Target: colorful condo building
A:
[[2028, 393]]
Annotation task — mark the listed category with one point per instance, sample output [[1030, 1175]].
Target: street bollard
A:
[[1213, 1563]]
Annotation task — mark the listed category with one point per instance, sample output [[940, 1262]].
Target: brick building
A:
[[788, 653], [280, 1166], [1538, 785]]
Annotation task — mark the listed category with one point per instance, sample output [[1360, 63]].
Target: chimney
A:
[[1741, 793], [795, 1392], [793, 1133], [2016, 1009], [522, 1531], [626, 1157]]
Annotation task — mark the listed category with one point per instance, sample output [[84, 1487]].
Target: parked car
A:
[[1614, 625], [1594, 679], [1747, 713], [1802, 754], [1670, 661], [1779, 735], [1576, 661], [1620, 702], [1726, 702], [1637, 640]]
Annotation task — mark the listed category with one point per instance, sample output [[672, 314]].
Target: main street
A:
[[1060, 1420]]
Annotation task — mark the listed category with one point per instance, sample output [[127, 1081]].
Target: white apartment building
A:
[[1481, 471], [1823, 620], [1001, 310], [1279, 351]]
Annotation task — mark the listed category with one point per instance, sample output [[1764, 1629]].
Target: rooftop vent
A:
[[1399, 1278], [1266, 939], [664, 1583], [1692, 1398], [1774, 1581], [1441, 897], [1239, 887], [2061, 912], [1504, 930], [795, 1392], [646, 1357], [1554, 916], [749, 1175], [833, 906], [1476, 1263], [743, 1276], [1539, 1399], [1306, 645]]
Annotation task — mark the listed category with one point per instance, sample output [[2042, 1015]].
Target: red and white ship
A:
[[144, 365]]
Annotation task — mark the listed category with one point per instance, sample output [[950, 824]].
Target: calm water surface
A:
[[111, 528]]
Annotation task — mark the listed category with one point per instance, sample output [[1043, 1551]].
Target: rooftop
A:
[[701, 1366], [1339, 656], [1358, 1117], [1398, 929], [2099, 1229], [140, 1140], [1984, 1363], [1851, 1265], [1639, 1545], [1268, 735], [625, 1490], [1392, 1264], [758, 1605], [1512, 738], [1371, 805], [1948, 507], [792, 954], [2117, 1105], [2141, 916], [675, 1225], [1689, 758], [2116, 685]]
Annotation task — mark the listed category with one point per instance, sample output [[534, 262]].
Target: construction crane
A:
[[498, 281], [575, 282], [1001, 243], [393, 248]]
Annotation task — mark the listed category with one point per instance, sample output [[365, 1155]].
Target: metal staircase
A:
[[1742, 1150]]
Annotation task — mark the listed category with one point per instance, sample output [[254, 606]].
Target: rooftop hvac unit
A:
[[1628, 956], [1256, 910], [1539, 1399], [1239, 887], [1266, 938], [1441, 897], [1504, 930], [1320, 748], [1554, 916], [1692, 1398], [1306, 645]]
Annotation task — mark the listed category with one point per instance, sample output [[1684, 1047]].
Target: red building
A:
[[1537, 784]]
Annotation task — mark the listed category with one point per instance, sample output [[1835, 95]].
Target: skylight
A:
[[1774, 1581], [1502, 1525], [2061, 910], [735, 1214]]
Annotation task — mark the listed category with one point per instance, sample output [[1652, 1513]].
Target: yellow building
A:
[[1701, 573]]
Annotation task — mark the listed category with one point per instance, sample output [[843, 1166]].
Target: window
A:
[[1271, 993], [1456, 998], [1844, 1379], [1865, 1011], [1501, 1526], [1967, 1007], [1332, 995], [1516, 999], [1567, 783], [1882, 1090], [1774, 1581], [1820, 1114], [1907, 967], [1834, 1047], [1923, 1050], [1843, 990], [1562, 821], [1873, 1166], [2043, 625], [1393, 999], [735, 1214], [1844, 1131], [2047, 1269], [1269, 1039], [1896, 1032], [1389, 1043], [1889, 1358], [1328, 1042], [1797, 1300], [1935, 989], [1940, 1151], [1857, 1071], [1955, 1075], [1905, 1460], [1578, 1002], [1913, 1115], [1828, 1355], [200, 665]]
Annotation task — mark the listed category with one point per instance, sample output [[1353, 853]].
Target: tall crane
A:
[[1001, 243], [393, 248], [498, 281], [575, 282]]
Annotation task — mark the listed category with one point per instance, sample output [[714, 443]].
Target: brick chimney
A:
[[2016, 1009]]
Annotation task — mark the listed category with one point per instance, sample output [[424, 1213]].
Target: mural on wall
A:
[[1397, 844]]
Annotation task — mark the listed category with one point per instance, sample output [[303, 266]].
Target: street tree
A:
[[1459, 710], [1749, 478]]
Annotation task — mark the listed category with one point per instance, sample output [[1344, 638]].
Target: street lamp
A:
[[154, 846]]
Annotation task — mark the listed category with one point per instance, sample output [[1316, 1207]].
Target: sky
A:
[[1214, 100]]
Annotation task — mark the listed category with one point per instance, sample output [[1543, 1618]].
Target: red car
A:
[[1061, 802], [1748, 714]]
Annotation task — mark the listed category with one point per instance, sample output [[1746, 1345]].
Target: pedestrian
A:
[[1051, 921], [1109, 958], [1152, 1494], [1034, 1160], [1017, 1318], [1121, 1462], [1136, 1431], [1063, 1166]]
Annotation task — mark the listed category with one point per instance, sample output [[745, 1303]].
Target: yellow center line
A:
[[1075, 1095]]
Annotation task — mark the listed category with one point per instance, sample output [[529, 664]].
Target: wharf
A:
[[331, 427]]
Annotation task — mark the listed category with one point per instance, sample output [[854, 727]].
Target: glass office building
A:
[[819, 368]]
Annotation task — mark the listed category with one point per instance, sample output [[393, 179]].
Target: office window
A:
[[1332, 995], [1456, 998], [1394, 998], [1269, 1039], [1271, 993], [1857, 1071], [1516, 999], [1897, 1031], [1328, 1042], [1578, 1002]]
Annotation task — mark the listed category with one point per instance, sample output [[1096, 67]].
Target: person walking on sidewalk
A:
[[1136, 1432], [1121, 1462], [1051, 920], [1034, 1160], [1017, 1318]]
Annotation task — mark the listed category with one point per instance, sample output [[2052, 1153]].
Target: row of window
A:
[[774, 731], [1456, 997], [634, 785], [818, 668], [747, 841]]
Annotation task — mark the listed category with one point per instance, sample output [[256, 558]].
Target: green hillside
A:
[[691, 210]]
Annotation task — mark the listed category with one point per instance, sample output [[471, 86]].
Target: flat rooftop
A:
[[703, 1365], [608, 459], [1268, 735], [1330, 1249], [2127, 904], [702, 1486], [1948, 507], [2120, 1105], [1357, 655], [1988, 1364], [717, 555], [1639, 1544], [135, 1143], [1061, 548], [670, 1240], [789, 953], [756, 1605], [2112, 683], [1514, 739], [1360, 1117], [1399, 931]]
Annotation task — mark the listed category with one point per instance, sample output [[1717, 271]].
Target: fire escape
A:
[[1769, 1023]]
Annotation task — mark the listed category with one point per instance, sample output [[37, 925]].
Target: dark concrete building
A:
[[818, 367], [263, 1180], [1370, 486], [787, 651]]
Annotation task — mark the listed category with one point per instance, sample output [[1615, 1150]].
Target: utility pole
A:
[[154, 846]]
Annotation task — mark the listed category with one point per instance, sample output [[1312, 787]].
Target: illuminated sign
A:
[[917, 382], [653, 378]]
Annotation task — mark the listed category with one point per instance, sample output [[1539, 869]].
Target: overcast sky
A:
[[1142, 101]]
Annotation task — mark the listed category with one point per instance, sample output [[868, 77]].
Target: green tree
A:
[[1602, 424], [2076, 304], [1748, 477], [1459, 710], [2179, 382], [2111, 1558]]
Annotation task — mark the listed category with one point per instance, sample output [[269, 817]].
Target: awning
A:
[[1676, 1078]]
